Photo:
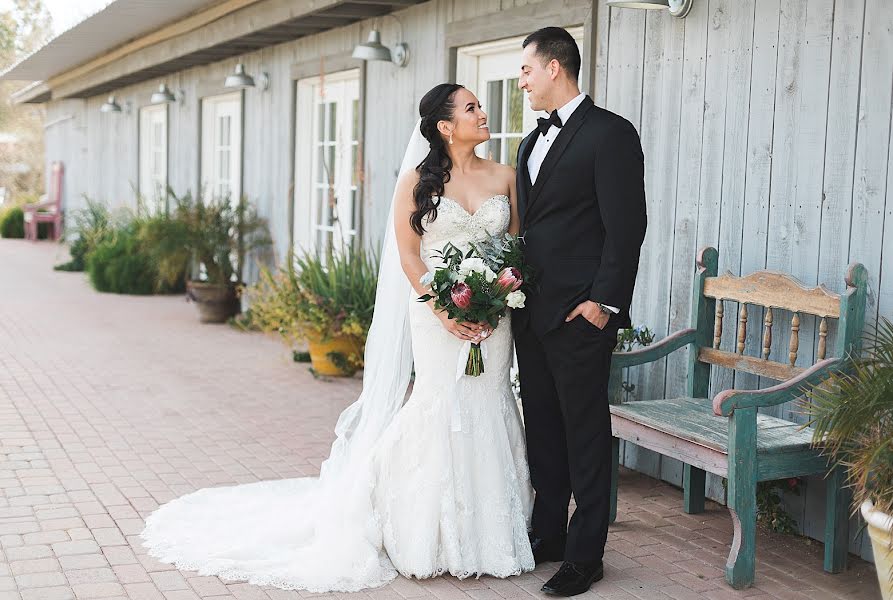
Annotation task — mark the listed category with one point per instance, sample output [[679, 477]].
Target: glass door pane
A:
[[505, 116], [222, 146], [152, 156], [326, 156]]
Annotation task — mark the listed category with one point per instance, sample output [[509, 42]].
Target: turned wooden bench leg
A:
[[615, 467], [741, 563], [694, 483], [837, 523]]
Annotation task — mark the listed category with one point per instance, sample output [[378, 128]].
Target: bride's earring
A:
[[451, 138]]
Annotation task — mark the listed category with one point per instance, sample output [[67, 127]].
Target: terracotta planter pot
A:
[[320, 351], [216, 302], [880, 529]]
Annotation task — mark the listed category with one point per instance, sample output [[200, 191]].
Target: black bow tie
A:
[[544, 124]]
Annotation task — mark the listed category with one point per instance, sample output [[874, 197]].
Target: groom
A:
[[581, 201]]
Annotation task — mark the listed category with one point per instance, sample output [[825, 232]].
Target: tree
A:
[[23, 29], [7, 38]]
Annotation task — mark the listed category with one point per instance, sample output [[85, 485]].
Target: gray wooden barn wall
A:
[[766, 130], [104, 164]]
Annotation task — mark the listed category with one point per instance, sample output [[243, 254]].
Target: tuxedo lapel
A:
[[524, 150], [523, 180], [558, 147]]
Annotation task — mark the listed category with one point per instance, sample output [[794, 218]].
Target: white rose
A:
[[489, 275], [427, 278], [472, 265], [516, 299]]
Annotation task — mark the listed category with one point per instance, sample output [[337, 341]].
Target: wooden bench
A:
[[728, 436], [48, 209]]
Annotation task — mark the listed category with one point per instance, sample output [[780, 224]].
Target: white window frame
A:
[[221, 149], [153, 142], [315, 226], [500, 60]]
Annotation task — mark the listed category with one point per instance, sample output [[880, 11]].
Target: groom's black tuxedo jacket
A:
[[584, 221]]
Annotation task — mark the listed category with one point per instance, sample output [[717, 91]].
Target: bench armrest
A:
[[725, 402], [655, 351], [42, 203]]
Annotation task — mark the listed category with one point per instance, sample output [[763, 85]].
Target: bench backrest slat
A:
[[773, 291]]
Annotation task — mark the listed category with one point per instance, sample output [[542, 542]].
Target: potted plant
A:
[[853, 418], [210, 240], [326, 299]]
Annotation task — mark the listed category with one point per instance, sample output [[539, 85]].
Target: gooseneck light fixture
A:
[[111, 106], [162, 96], [677, 8], [373, 49], [240, 79]]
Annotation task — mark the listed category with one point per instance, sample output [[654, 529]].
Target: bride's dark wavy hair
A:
[[434, 171]]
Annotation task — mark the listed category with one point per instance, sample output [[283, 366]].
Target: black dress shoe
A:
[[574, 578], [551, 550]]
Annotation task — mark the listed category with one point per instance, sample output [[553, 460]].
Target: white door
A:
[[153, 156], [221, 169], [327, 168], [491, 71]]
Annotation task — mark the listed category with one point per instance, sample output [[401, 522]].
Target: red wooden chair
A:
[[49, 209]]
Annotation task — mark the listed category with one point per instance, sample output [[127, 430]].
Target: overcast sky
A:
[[66, 12]]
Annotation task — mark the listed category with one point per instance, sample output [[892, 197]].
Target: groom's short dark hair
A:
[[556, 43]]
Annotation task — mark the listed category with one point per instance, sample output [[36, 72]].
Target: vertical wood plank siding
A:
[[780, 157]]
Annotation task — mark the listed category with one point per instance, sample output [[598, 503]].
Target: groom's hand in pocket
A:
[[590, 311]]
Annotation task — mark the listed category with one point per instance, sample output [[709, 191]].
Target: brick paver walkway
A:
[[111, 405]]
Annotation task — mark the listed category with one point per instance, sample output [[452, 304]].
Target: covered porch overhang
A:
[[91, 58]]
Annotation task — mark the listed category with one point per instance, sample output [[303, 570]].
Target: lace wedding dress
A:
[[440, 485]]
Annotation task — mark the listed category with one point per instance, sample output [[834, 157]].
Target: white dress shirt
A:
[[544, 143]]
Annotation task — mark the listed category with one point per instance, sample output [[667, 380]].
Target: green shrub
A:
[[12, 222], [79, 250], [244, 321], [92, 225], [165, 282], [118, 265], [122, 262]]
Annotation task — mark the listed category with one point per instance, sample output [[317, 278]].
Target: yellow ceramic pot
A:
[[880, 528], [321, 351]]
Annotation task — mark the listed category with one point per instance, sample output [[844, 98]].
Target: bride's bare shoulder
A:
[[408, 179], [406, 183], [500, 170]]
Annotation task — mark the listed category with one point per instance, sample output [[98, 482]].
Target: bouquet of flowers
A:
[[478, 286]]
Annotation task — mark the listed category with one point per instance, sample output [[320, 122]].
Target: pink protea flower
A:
[[509, 279], [461, 295]]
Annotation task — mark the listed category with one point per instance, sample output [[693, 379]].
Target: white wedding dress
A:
[[441, 486]]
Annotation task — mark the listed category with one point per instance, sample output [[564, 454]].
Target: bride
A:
[[436, 483]]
